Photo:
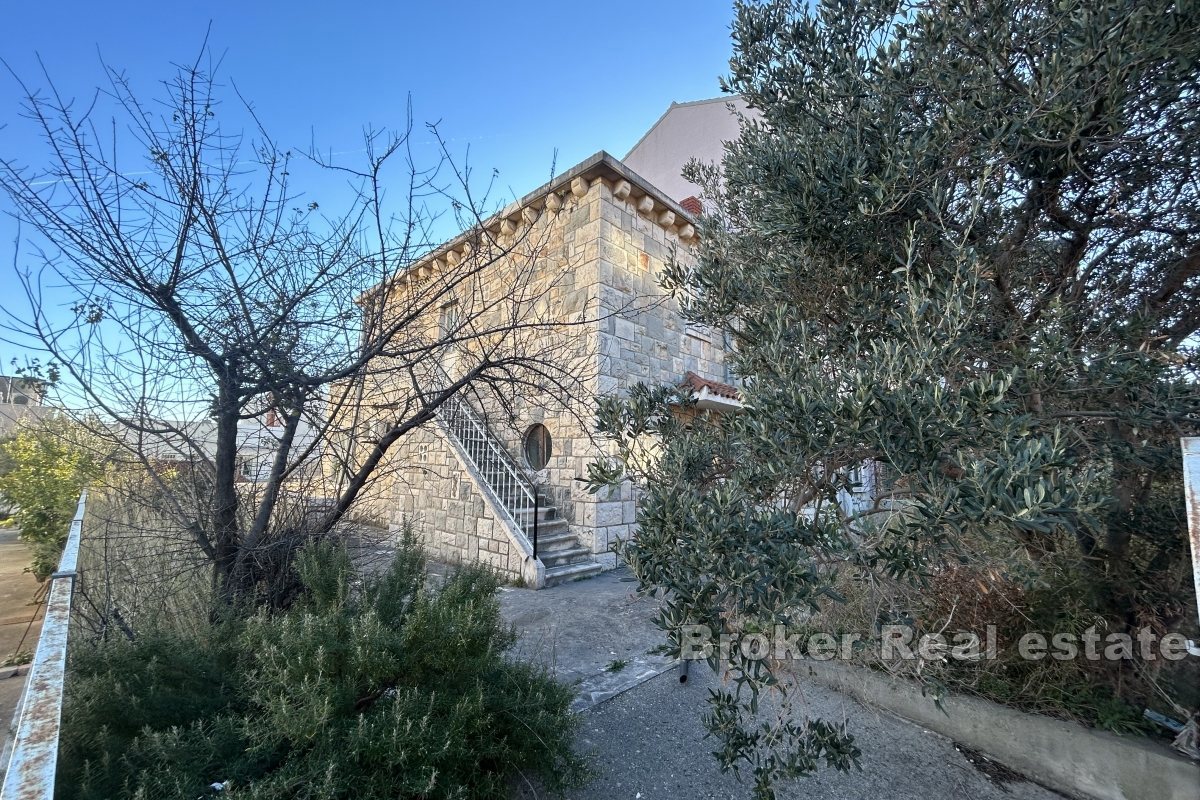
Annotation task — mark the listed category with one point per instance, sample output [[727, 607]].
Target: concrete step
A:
[[515, 502], [569, 555], [558, 539], [571, 572], [544, 513], [546, 527]]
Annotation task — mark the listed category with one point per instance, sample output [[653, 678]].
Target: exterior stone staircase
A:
[[559, 549], [554, 545]]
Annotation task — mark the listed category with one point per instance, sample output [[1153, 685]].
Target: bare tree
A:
[[204, 290]]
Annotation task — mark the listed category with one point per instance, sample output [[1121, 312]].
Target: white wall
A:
[[686, 131]]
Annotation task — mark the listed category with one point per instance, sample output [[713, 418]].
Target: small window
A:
[[537, 446], [20, 400], [449, 319]]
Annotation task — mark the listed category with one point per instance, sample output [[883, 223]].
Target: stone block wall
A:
[[642, 336], [433, 488]]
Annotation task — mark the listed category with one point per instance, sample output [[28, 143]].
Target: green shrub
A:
[[1015, 597], [384, 689], [43, 468]]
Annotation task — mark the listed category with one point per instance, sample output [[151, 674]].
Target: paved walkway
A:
[[17, 590], [596, 633], [643, 729]]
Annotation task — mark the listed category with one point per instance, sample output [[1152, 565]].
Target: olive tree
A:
[[959, 242]]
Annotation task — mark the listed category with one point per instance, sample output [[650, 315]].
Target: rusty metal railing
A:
[[34, 758], [1191, 491]]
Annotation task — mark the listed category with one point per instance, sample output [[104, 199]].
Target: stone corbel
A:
[[579, 187], [553, 202], [646, 204]]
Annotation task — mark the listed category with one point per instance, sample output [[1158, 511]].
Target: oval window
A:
[[537, 446]]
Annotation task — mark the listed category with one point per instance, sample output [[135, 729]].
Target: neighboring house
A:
[[687, 131], [195, 441], [20, 399], [258, 442]]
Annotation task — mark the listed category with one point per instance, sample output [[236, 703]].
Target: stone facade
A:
[[441, 494], [603, 237]]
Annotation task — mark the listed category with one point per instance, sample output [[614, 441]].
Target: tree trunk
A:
[[225, 498]]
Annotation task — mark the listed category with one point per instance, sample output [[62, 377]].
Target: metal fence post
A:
[[1191, 491]]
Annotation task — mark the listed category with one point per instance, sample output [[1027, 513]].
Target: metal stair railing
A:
[[515, 490]]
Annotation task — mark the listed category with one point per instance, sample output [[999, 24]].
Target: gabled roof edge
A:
[[598, 163], [728, 98]]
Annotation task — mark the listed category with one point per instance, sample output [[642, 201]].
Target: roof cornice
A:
[[626, 184], [599, 165]]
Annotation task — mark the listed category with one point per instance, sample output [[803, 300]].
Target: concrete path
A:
[[643, 729], [17, 610], [596, 633], [649, 743]]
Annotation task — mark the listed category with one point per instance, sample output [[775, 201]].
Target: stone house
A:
[[483, 485], [505, 486]]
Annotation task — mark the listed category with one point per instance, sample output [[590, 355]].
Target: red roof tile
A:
[[694, 382]]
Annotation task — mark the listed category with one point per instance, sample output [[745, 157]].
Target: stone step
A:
[[525, 515], [570, 555], [559, 539], [547, 528], [571, 572], [515, 500], [494, 466]]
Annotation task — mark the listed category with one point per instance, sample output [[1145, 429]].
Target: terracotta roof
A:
[[694, 382]]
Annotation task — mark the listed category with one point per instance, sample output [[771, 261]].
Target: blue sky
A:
[[515, 82]]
